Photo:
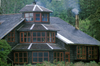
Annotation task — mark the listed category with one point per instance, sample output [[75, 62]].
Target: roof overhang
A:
[[65, 40], [12, 28]]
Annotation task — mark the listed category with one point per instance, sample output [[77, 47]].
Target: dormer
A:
[[35, 13]]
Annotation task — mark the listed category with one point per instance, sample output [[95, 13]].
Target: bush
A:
[[45, 63], [4, 51]]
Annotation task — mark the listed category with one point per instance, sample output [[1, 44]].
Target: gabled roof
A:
[[34, 8], [70, 35], [9, 23]]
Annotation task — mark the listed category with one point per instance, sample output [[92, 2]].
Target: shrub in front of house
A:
[[45, 63]]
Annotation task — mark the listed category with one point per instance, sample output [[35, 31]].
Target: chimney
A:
[[77, 22], [34, 2]]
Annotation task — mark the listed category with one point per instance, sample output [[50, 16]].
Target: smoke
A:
[[74, 4], [76, 11]]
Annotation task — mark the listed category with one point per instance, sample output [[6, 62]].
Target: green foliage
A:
[[84, 25], [88, 7], [94, 26], [45, 63], [4, 51]]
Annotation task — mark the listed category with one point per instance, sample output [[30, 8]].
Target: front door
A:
[[67, 56]]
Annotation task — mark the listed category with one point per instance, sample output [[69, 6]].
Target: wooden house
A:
[[36, 37]]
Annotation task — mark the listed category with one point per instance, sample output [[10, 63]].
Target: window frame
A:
[[21, 57], [45, 17], [83, 52], [92, 50], [37, 37], [51, 37], [36, 17], [29, 16], [25, 37], [39, 57], [11, 37], [55, 58]]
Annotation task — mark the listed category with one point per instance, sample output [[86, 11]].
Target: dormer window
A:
[[44, 17], [37, 17], [29, 17]]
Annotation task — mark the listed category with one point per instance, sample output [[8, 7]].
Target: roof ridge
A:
[[10, 14]]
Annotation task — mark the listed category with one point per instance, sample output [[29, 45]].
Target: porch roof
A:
[[37, 46]]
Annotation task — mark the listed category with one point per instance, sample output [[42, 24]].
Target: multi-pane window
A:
[[44, 17], [29, 17], [92, 53], [50, 37], [37, 17], [11, 36], [20, 57], [58, 56], [25, 37], [39, 57], [81, 52], [37, 37]]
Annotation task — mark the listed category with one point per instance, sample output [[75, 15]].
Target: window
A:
[[37, 17], [20, 57], [25, 37], [81, 52], [67, 53], [44, 17], [67, 56], [39, 57], [37, 37], [92, 53], [58, 56], [29, 17], [50, 37], [11, 36]]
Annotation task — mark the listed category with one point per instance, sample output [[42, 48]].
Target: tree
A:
[[94, 26], [4, 51], [88, 7], [84, 25]]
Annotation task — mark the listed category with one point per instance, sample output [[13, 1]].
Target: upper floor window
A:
[[25, 37], [45, 17], [37, 37], [11, 36], [37, 17], [29, 17], [50, 37]]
